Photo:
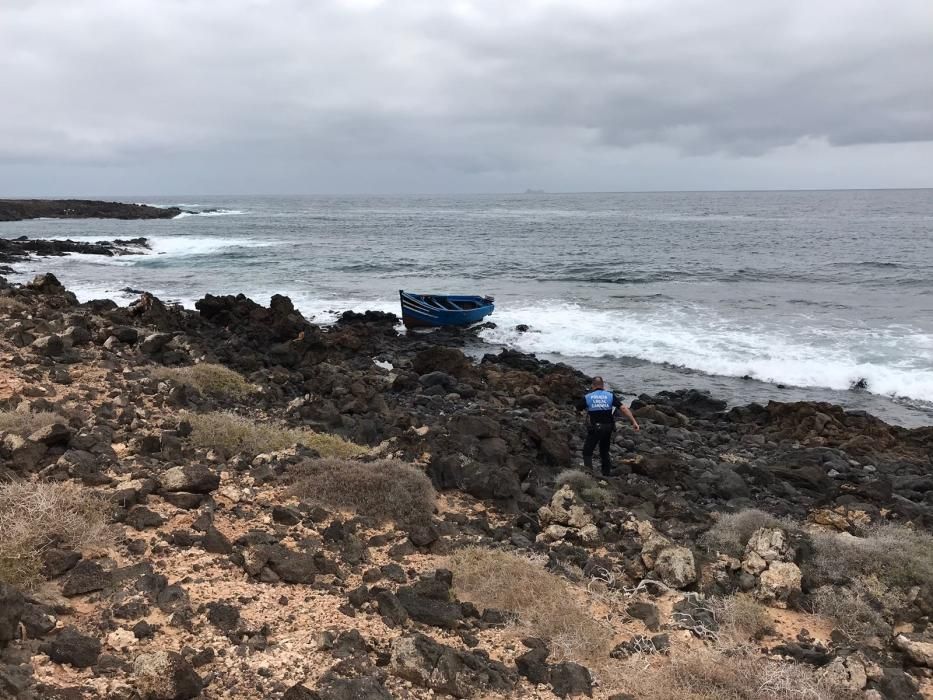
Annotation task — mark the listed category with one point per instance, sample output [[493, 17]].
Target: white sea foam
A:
[[209, 212], [894, 362]]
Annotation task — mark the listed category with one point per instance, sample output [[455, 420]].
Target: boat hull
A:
[[434, 310]]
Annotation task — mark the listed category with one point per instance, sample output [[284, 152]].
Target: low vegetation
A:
[[585, 485], [231, 433], [896, 555], [707, 673], [36, 516], [208, 379], [546, 606], [741, 619], [24, 422], [12, 307], [732, 531], [865, 608], [385, 490]]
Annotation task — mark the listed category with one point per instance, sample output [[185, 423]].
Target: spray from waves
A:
[[895, 362], [209, 212]]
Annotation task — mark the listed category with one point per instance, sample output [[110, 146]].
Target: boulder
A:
[[779, 583], [443, 669], [566, 508], [165, 675], [571, 680], [676, 567], [69, 646], [86, 577], [846, 673], [918, 649], [12, 606], [190, 478]]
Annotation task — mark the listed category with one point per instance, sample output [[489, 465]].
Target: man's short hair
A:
[[598, 382]]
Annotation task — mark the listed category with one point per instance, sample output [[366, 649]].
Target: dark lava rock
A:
[[141, 518], [223, 616], [183, 500], [215, 542], [300, 692], [647, 613], [191, 478], [56, 562], [533, 665], [85, 577], [53, 435], [363, 688], [570, 679], [71, 647], [20, 209], [424, 662], [391, 609], [283, 515], [12, 606]]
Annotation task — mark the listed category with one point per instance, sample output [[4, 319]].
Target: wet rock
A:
[[165, 675], [424, 662], [12, 607], [571, 680], [71, 647]]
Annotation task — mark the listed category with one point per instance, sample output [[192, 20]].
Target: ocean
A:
[[752, 296]]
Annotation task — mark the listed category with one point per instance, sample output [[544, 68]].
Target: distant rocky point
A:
[[21, 209]]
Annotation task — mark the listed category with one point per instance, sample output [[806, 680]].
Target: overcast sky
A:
[[122, 97]]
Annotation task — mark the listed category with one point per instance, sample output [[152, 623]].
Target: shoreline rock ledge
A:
[[22, 209]]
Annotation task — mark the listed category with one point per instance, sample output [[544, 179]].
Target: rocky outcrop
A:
[[20, 209]]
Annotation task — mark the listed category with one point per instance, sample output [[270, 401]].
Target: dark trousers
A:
[[598, 434]]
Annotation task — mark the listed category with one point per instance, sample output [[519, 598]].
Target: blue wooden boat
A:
[[431, 310]]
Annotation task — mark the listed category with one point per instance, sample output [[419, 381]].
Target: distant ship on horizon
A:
[[535, 192]]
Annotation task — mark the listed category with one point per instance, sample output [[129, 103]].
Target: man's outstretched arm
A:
[[627, 412]]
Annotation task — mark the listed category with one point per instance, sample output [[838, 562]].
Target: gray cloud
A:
[[403, 94]]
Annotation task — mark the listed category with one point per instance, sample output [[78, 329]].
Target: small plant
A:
[[36, 515], [209, 379], [732, 531], [741, 618], [715, 674], [231, 433], [860, 610], [23, 421], [585, 485], [544, 603], [12, 307], [897, 556], [386, 490]]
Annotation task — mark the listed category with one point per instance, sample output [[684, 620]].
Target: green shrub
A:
[[542, 601], [208, 379], [24, 422], [386, 490], [231, 433], [37, 515]]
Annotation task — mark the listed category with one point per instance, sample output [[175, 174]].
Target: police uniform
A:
[[601, 406]]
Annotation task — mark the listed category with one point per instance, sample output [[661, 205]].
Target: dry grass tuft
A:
[[24, 422], [741, 619], [732, 531], [710, 674], [863, 609], [231, 433], [895, 555], [386, 490], [12, 307], [208, 379], [35, 516], [585, 485], [544, 603]]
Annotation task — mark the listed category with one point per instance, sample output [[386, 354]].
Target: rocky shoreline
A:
[[18, 250], [22, 209], [723, 553]]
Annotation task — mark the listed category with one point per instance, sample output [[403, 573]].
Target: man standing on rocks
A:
[[601, 406]]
